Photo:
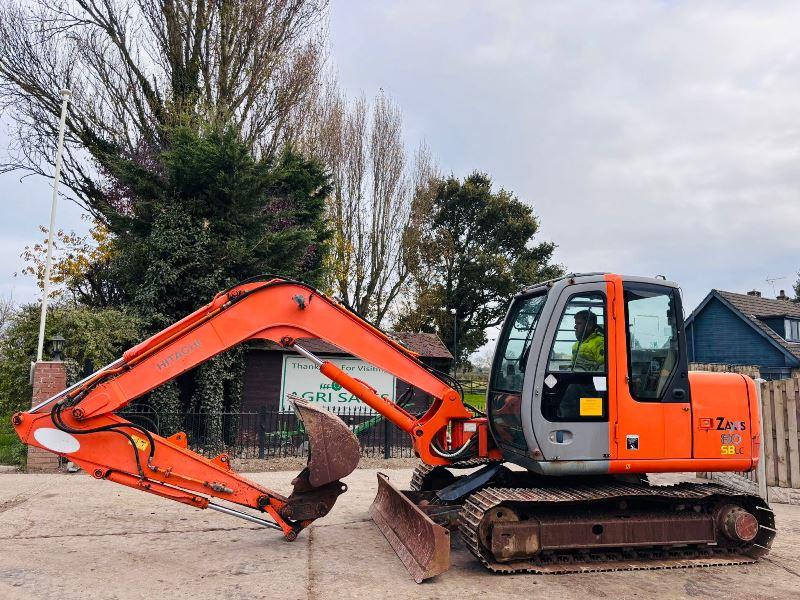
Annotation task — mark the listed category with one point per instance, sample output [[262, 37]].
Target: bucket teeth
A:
[[333, 449], [422, 545]]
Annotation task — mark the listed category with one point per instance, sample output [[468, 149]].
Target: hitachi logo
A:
[[179, 353]]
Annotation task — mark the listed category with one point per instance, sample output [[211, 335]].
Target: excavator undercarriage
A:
[[518, 522]]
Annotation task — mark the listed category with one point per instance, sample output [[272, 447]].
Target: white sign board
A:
[[302, 377]]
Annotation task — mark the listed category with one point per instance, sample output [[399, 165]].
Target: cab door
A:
[[653, 412], [570, 408]]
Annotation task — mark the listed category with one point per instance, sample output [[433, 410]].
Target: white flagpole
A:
[[65, 94]]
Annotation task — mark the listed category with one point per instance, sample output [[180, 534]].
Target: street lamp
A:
[[56, 346], [65, 94]]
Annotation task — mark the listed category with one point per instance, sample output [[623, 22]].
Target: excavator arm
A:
[[81, 423]]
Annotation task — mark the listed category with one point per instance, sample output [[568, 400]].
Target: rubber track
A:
[[603, 559], [421, 471]]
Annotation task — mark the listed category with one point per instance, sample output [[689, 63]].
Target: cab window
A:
[[652, 327], [579, 344], [575, 385], [515, 344], [508, 372]]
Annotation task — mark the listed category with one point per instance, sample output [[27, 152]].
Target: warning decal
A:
[[141, 443], [591, 407]]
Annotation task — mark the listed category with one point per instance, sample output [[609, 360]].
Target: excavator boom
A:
[[81, 423]]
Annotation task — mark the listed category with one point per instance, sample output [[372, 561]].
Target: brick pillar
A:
[[49, 378]]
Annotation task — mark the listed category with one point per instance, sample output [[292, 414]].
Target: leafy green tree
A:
[[187, 222], [95, 337], [199, 217], [476, 250], [205, 214], [178, 141]]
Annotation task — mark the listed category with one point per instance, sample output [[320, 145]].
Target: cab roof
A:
[[594, 276]]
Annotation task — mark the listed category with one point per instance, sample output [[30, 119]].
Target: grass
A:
[[12, 451], [476, 400]]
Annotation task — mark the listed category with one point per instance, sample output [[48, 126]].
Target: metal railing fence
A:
[[271, 433]]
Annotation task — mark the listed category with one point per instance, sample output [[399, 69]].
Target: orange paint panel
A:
[[613, 285], [677, 429], [656, 430], [645, 420], [720, 425], [722, 405]]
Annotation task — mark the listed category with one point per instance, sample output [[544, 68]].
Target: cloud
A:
[[651, 137], [25, 204]]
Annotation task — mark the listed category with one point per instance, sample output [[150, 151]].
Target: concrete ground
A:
[[68, 537]]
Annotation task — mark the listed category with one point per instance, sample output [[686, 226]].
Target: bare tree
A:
[[137, 67], [482, 360], [7, 309], [375, 187]]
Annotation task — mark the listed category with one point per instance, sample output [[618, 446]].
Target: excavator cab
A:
[[571, 353], [590, 392]]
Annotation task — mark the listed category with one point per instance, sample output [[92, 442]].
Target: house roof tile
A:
[[756, 308], [762, 307], [427, 345]]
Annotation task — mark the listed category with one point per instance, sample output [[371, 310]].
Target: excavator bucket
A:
[[333, 449], [422, 545]]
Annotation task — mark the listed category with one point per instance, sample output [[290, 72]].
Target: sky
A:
[[651, 138], [26, 202]]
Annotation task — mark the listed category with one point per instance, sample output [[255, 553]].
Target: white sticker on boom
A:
[[599, 383], [550, 381], [56, 440]]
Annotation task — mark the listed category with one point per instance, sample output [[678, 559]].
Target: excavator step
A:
[[429, 477], [614, 527]]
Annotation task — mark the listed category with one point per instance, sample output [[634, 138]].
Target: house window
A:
[[793, 330]]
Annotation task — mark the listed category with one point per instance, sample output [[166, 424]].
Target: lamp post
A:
[[65, 94]]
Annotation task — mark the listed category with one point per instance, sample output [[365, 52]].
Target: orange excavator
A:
[[589, 391]]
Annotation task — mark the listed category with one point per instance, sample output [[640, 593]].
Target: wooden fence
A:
[[749, 370], [780, 401]]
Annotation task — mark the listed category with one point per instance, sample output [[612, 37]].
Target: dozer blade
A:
[[333, 451], [422, 545]]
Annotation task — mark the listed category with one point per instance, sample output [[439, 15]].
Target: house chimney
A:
[[783, 296], [755, 293]]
